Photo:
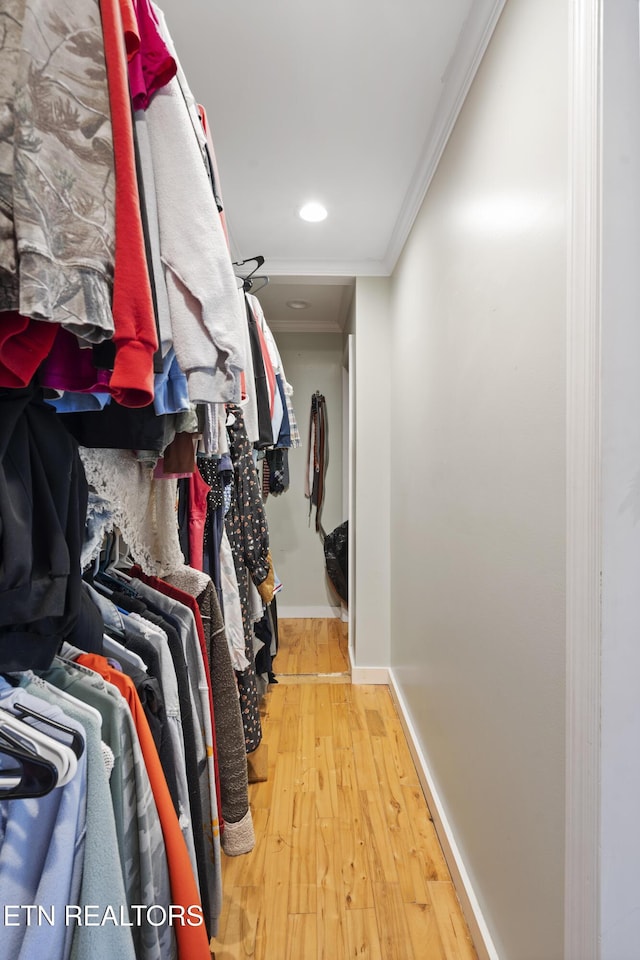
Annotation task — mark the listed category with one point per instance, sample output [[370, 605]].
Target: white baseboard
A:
[[322, 612], [373, 675], [469, 902]]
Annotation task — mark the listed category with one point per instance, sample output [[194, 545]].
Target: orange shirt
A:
[[193, 943]]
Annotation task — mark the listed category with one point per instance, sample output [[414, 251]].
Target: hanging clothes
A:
[[129, 302], [246, 528], [238, 835], [135, 335], [43, 227], [317, 457], [261, 381], [43, 504], [102, 881]]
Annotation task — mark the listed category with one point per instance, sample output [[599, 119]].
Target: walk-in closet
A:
[[319, 497]]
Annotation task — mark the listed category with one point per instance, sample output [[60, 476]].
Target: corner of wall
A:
[[373, 478]]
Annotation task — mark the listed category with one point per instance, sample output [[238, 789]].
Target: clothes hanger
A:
[[32, 777], [259, 262], [248, 280], [35, 743], [252, 287], [109, 575], [25, 713]]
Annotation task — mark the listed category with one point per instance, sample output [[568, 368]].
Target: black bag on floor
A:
[[336, 555]]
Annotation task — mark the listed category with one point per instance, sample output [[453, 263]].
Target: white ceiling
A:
[[348, 102]]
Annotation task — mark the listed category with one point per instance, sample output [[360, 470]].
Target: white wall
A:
[[373, 452], [620, 656], [312, 362], [477, 452]]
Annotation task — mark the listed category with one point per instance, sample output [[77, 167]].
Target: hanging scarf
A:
[[317, 458]]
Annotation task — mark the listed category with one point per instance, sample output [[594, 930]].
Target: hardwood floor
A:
[[309, 647], [347, 863]]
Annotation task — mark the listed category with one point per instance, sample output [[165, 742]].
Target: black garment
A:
[[278, 460], [246, 526], [318, 446], [43, 505], [117, 427], [265, 431], [262, 630], [149, 691], [272, 610], [183, 517], [88, 629], [217, 479]]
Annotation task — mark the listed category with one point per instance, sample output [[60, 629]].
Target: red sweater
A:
[[135, 334]]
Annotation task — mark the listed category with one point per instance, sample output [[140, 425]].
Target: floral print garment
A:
[[246, 527], [57, 184]]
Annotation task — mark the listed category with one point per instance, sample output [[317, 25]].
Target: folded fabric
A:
[[24, 343]]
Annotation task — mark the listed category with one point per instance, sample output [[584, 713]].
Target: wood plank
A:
[[456, 941], [336, 679], [362, 935], [324, 712], [242, 929], [423, 931], [261, 794], [341, 731], [275, 900], [289, 727], [385, 703], [225, 945], [301, 937], [382, 863], [357, 893], [366, 772], [402, 759], [332, 933], [375, 723], [409, 859], [303, 875], [395, 943], [305, 773], [293, 695], [320, 631], [425, 836], [341, 695], [274, 702], [251, 867], [323, 662], [339, 657], [308, 658], [326, 791], [281, 818]]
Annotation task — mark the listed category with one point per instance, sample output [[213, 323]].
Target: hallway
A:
[[347, 862]]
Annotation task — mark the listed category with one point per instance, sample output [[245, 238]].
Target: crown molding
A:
[[457, 79], [344, 269], [299, 326]]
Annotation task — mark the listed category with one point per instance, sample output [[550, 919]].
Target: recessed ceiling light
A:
[[313, 212], [298, 304]]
